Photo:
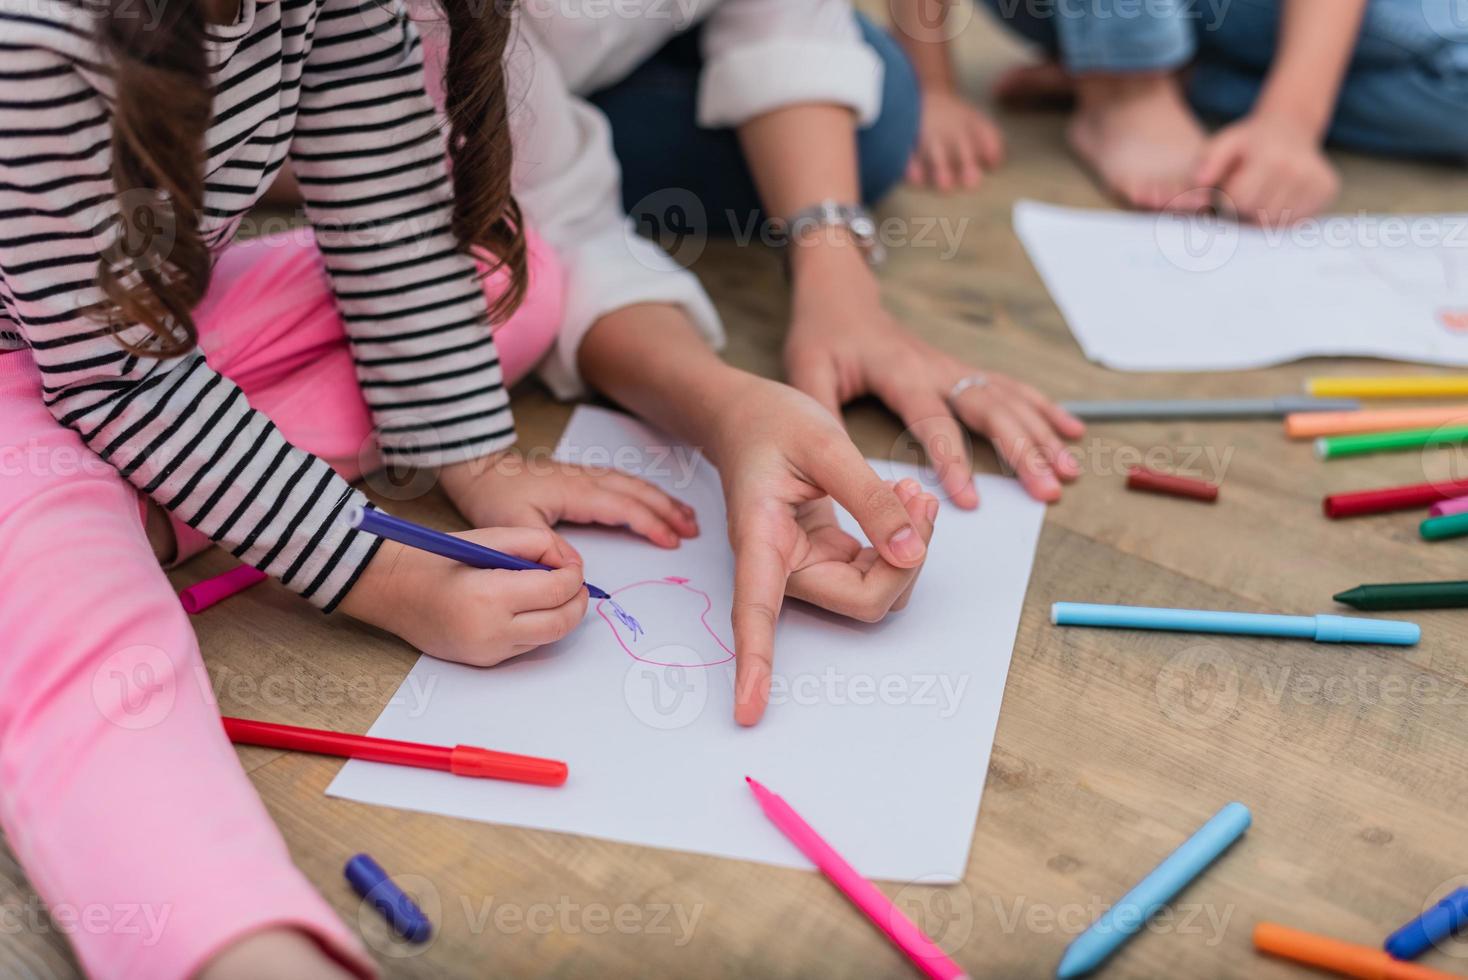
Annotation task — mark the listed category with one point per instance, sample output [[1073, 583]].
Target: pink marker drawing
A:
[[627, 643]]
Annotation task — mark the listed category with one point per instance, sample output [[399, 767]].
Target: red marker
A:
[[1392, 498], [1141, 478], [461, 760]]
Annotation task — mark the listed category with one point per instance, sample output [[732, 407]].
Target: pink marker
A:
[[201, 595], [923, 952], [1458, 505]]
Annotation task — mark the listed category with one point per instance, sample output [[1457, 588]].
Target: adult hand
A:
[[780, 455], [842, 344], [1270, 169], [957, 144]]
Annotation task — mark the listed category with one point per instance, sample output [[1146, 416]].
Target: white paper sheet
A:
[[879, 735], [1174, 293]]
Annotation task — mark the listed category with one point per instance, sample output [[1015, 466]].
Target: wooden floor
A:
[[1112, 746]]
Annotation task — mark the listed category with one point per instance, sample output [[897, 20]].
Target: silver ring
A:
[[964, 384]]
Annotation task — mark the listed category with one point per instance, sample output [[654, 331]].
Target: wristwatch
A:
[[857, 220]]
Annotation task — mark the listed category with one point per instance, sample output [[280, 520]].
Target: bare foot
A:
[[1042, 86], [1141, 138]]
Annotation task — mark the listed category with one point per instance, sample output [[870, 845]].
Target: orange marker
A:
[[1309, 425], [1347, 959]]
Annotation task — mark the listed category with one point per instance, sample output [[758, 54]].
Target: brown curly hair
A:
[[157, 269]]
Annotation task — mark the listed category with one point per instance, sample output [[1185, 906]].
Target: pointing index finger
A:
[[759, 589]]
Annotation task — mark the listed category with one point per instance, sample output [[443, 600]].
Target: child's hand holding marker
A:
[[471, 615], [515, 492]]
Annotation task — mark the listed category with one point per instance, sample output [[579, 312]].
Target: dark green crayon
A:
[[1406, 595]]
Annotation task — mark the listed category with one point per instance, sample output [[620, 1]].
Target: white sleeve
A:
[[568, 183], [761, 55]]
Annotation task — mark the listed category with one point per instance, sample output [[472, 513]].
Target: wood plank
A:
[[1112, 746]]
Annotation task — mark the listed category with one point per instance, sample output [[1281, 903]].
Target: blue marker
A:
[[1127, 916], [403, 531], [372, 883], [1424, 932], [1321, 629]]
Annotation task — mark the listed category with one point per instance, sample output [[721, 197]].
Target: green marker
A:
[[1406, 595], [1438, 528], [1334, 447]]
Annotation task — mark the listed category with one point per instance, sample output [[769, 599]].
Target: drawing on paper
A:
[[684, 636]]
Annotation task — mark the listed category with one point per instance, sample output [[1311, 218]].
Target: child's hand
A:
[[1271, 169], [473, 616], [956, 144], [511, 490]]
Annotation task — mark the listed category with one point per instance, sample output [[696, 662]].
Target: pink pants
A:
[[118, 790]]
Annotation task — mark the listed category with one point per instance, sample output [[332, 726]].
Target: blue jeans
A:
[[1405, 93], [660, 145]]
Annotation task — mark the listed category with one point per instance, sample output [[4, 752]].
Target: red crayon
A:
[[461, 760], [1141, 478], [1392, 498]]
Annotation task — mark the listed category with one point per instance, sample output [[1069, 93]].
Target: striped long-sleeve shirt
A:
[[335, 86]]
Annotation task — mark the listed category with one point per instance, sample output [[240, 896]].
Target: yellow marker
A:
[[1404, 386]]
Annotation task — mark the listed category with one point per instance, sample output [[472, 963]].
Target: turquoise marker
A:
[[1126, 917], [1321, 629]]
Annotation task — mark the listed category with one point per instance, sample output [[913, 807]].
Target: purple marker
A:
[[403, 531]]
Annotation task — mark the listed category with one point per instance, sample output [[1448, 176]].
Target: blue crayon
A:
[[1321, 629], [401, 912], [1126, 917], [1425, 931]]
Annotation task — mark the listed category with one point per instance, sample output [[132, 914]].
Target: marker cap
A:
[[1437, 923], [370, 881], [1347, 629], [468, 760]]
